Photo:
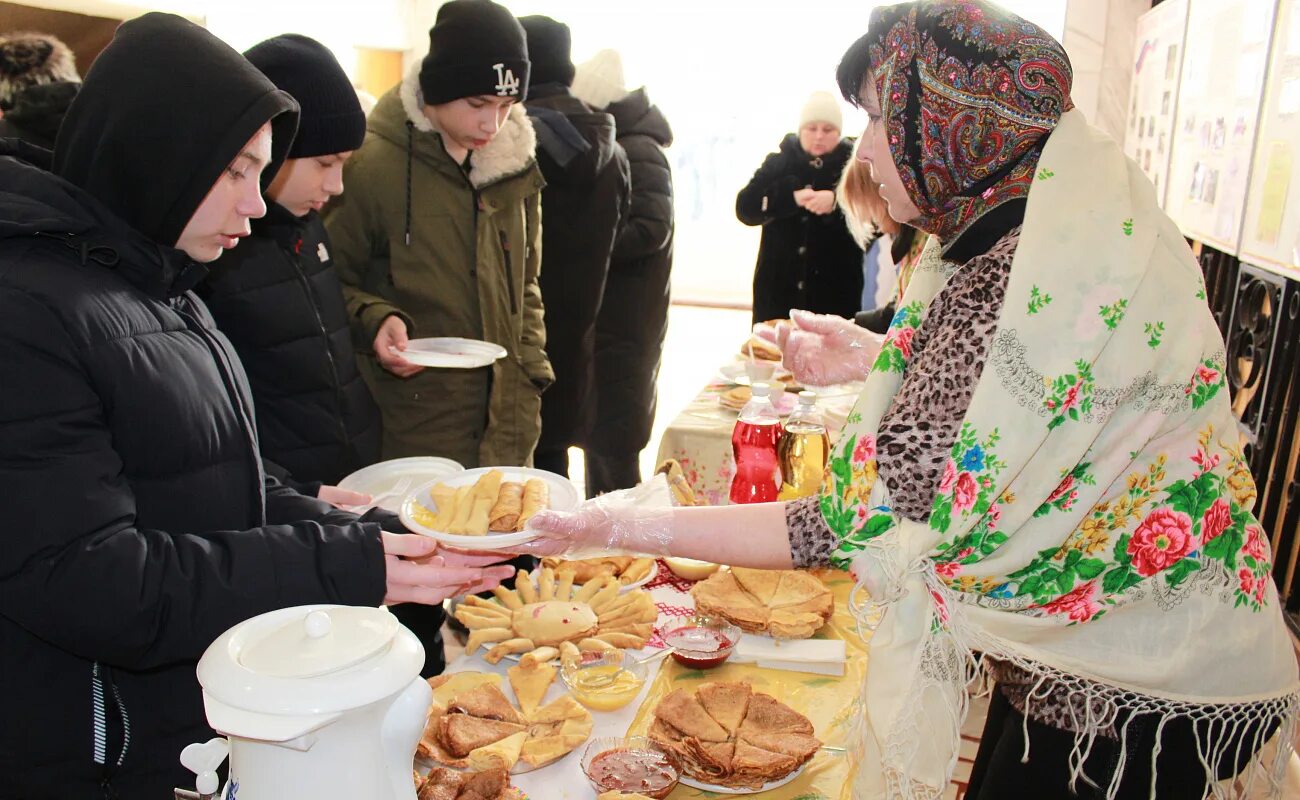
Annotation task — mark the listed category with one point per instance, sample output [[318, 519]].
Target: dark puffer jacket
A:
[[138, 526], [278, 299], [805, 260], [633, 317], [583, 204]]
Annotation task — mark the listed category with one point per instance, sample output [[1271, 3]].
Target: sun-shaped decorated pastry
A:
[[545, 615]]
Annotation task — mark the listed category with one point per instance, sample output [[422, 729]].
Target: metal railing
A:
[[1259, 313]]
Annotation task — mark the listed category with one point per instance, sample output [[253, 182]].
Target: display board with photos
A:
[[1153, 93], [1226, 55], [1271, 234]]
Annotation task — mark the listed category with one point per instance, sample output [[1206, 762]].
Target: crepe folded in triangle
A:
[[785, 625], [712, 760], [461, 733], [500, 754], [796, 588], [765, 740], [485, 702], [761, 584], [685, 713], [489, 784], [768, 715], [762, 766], [530, 684], [785, 603], [668, 737], [726, 703], [441, 784], [799, 746]]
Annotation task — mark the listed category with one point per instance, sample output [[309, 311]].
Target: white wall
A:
[[731, 76], [340, 25], [1099, 37]]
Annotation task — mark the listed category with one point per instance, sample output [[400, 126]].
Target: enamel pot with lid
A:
[[319, 701]]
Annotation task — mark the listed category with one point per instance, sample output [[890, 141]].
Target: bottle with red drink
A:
[[753, 443]]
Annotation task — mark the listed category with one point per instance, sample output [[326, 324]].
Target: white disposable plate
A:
[[716, 789], [385, 476], [735, 374], [654, 573], [564, 497], [452, 352]]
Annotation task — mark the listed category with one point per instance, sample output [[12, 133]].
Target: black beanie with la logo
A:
[[476, 47]]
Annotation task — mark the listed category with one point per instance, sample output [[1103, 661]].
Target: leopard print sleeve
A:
[[811, 541]]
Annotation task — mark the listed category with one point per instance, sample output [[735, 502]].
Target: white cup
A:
[[758, 371]]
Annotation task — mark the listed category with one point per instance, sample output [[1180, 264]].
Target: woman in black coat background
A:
[[807, 258]]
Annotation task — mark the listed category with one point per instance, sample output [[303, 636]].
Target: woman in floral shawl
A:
[[1043, 467]]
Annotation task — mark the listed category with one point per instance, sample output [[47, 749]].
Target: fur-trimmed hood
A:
[[512, 151]]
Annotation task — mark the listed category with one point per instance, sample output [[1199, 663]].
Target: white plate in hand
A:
[[694, 783], [451, 352], [386, 476], [564, 497]]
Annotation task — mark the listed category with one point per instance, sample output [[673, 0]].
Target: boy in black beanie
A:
[[278, 298], [588, 188], [439, 235]]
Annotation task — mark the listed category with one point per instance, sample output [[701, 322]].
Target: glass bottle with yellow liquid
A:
[[803, 450]]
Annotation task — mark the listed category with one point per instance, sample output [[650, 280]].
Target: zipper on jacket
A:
[[101, 703], [312, 300], [246, 417], [510, 272]]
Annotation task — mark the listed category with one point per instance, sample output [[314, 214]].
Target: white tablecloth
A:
[[564, 779]]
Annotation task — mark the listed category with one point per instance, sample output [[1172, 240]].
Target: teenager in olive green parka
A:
[[450, 248]]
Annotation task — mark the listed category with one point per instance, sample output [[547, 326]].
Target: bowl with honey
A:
[[604, 680]]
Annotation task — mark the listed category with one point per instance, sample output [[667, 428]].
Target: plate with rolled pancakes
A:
[[632, 572], [486, 508]]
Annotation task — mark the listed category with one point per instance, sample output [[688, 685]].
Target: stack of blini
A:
[[729, 735]]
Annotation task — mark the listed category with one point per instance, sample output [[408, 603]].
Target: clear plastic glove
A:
[[823, 349], [618, 523]]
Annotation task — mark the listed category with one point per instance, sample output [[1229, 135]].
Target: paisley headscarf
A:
[[968, 93]]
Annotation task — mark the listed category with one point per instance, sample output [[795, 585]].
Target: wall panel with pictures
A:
[[1226, 54], [1271, 234], [1153, 93]]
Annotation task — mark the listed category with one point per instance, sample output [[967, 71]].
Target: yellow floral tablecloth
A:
[[829, 703]]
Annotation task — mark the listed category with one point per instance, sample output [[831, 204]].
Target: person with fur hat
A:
[[30, 59], [38, 79], [633, 318], [807, 257], [139, 523], [586, 200], [278, 297], [439, 234]]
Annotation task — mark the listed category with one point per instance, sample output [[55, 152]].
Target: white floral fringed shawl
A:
[[1094, 523]]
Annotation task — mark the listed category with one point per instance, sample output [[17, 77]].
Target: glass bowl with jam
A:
[[700, 641], [632, 764], [604, 681]]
